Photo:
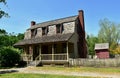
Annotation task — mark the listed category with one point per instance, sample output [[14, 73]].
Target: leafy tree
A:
[[3, 41], [91, 40], [2, 31], [9, 56], [109, 32], [3, 13], [20, 36], [9, 39], [116, 50], [6, 40]]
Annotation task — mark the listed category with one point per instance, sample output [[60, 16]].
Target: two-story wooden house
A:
[[55, 41]]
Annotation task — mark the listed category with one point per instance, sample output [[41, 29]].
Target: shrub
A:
[[9, 56], [22, 64]]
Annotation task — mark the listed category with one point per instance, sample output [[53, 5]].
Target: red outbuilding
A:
[[102, 50]]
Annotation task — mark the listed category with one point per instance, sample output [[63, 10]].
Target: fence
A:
[[95, 62]]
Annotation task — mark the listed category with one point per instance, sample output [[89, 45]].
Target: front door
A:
[[35, 51]]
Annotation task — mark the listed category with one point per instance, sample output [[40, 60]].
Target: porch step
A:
[[33, 63]]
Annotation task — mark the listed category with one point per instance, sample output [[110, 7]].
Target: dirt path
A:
[[28, 70]]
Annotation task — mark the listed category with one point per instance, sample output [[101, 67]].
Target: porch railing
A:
[[60, 56], [26, 57], [44, 57], [52, 57]]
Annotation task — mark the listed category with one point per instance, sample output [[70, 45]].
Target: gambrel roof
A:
[[46, 39], [54, 22]]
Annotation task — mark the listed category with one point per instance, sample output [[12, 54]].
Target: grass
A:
[[101, 70], [62, 69], [80, 69], [21, 75]]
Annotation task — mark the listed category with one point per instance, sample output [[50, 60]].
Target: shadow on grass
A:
[[7, 71]]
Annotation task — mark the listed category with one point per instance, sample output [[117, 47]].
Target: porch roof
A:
[[45, 39]]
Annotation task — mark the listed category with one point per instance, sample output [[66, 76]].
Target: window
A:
[[33, 33], [59, 28], [45, 30]]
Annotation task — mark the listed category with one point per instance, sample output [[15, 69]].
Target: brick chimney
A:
[[82, 48], [33, 23], [81, 18]]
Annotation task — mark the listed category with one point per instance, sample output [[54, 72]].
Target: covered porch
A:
[[57, 53], [48, 49]]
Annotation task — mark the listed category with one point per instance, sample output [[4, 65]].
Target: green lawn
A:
[[80, 69], [101, 70], [62, 69], [21, 75]]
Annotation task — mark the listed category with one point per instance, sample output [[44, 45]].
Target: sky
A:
[[22, 12]]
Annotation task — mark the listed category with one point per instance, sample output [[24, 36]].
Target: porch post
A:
[[52, 52], [31, 53], [40, 52], [67, 52], [24, 56]]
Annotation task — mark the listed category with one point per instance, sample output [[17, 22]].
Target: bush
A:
[[9, 56], [22, 64]]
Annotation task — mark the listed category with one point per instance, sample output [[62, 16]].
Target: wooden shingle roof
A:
[[54, 22], [45, 39], [100, 46]]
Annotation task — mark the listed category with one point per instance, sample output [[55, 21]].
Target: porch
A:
[[52, 53]]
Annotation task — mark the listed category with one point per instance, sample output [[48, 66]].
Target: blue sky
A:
[[22, 12]]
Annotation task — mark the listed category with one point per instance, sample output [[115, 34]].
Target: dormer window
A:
[[59, 28], [33, 33], [44, 30]]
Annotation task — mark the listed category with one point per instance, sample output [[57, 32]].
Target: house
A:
[[102, 50], [55, 41]]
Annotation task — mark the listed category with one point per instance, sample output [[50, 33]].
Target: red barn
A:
[[102, 50]]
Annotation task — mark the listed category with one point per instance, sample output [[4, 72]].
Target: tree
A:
[[2, 31], [91, 40], [3, 13], [9, 39], [109, 32], [117, 50], [20, 36]]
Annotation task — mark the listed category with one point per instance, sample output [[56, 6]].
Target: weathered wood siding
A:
[[73, 40], [27, 34], [69, 27]]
